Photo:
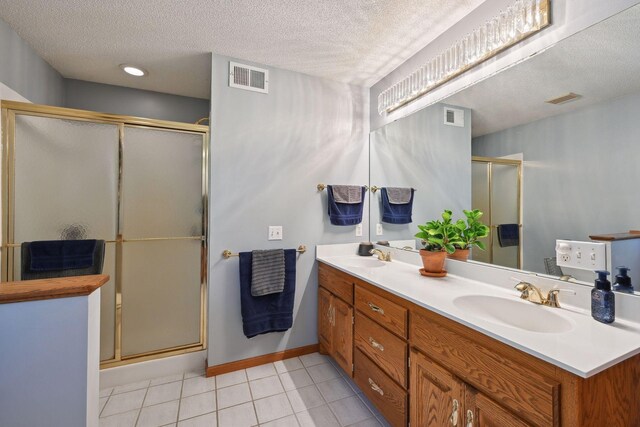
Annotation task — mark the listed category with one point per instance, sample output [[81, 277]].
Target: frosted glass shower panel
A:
[[108, 305], [160, 295], [504, 210], [66, 179], [162, 183]]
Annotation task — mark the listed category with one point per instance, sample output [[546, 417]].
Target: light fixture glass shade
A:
[[519, 21]]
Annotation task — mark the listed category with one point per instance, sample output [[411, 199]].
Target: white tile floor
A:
[[303, 391]]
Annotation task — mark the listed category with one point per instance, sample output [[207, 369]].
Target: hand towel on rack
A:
[[267, 313], [49, 255], [345, 207], [267, 272], [397, 204], [508, 235]]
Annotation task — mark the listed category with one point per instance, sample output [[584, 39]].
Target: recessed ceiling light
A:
[[134, 71]]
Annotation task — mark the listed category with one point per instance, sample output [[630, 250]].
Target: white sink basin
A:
[[362, 262], [514, 313]]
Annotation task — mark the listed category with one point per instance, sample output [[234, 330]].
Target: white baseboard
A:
[[121, 375]]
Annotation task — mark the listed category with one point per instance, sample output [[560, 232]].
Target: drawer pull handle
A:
[[375, 308], [454, 413], [376, 344], [375, 387], [469, 418]]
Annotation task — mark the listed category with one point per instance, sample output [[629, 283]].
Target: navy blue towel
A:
[[396, 213], [508, 235], [50, 255], [345, 213], [272, 312]]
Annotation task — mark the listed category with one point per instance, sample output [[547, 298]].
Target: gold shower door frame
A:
[[490, 161], [10, 110]]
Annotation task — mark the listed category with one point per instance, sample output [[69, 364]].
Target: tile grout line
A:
[[142, 405], [180, 398]]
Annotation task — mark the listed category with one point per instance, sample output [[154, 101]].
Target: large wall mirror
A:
[[555, 170]]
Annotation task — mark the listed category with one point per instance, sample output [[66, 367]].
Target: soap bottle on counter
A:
[[603, 303], [623, 281]]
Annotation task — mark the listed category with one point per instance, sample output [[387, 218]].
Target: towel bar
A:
[[322, 187], [226, 254]]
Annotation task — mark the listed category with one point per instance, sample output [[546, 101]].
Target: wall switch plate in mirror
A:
[[581, 255]]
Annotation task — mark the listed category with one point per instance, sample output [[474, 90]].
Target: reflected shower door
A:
[[504, 210], [66, 187], [495, 185], [162, 240]]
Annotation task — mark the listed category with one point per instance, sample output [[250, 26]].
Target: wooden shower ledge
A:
[[59, 287]]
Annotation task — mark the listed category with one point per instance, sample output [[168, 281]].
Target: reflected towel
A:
[[345, 213], [267, 275], [396, 213], [49, 255], [267, 313], [508, 235], [399, 195]]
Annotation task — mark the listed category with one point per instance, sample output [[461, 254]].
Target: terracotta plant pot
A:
[[433, 263], [459, 255]]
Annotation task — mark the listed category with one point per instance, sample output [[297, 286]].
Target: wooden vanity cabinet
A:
[[335, 316], [423, 369]]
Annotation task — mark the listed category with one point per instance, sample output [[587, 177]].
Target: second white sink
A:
[[363, 262], [514, 313]]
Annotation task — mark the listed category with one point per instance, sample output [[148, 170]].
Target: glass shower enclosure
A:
[[140, 185]]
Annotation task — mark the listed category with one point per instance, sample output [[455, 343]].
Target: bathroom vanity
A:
[[459, 352]]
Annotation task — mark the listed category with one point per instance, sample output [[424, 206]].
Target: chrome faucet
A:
[[533, 294], [381, 255]]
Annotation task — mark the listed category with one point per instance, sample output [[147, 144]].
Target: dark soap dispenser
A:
[[603, 303], [623, 281]]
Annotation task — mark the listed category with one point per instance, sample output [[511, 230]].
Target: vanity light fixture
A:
[[521, 20], [133, 70]]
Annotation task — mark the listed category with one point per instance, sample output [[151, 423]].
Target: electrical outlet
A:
[[378, 229], [581, 255], [359, 230], [275, 232]]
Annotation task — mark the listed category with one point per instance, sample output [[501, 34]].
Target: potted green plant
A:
[[440, 237], [469, 233]]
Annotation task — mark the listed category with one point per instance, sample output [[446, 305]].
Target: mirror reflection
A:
[[546, 149]]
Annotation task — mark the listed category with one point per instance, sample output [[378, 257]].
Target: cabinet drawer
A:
[[387, 350], [336, 282], [386, 313], [508, 376], [389, 397]]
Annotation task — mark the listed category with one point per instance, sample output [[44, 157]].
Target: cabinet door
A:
[[325, 325], [437, 396], [343, 334], [484, 412]]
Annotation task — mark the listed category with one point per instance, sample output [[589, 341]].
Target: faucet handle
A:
[[552, 297]]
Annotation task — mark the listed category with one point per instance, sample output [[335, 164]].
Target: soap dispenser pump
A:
[[603, 303], [623, 281]]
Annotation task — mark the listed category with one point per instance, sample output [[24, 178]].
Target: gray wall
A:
[[268, 154], [567, 18], [133, 102], [25, 72], [420, 151], [580, 176]]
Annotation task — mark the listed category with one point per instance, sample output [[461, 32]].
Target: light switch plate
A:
[[359, 230], [275, 232], [581, 255], [378, 229]]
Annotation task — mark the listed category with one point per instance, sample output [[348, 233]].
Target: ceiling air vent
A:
[[564, 99], [453, 117], [249, 78]]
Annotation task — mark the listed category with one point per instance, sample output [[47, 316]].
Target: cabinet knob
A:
[[454, 413], [376, 344], [469, 418], [375, 387], [375, 308]]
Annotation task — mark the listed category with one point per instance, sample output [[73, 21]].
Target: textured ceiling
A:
[[353, 41], [599, 63]]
